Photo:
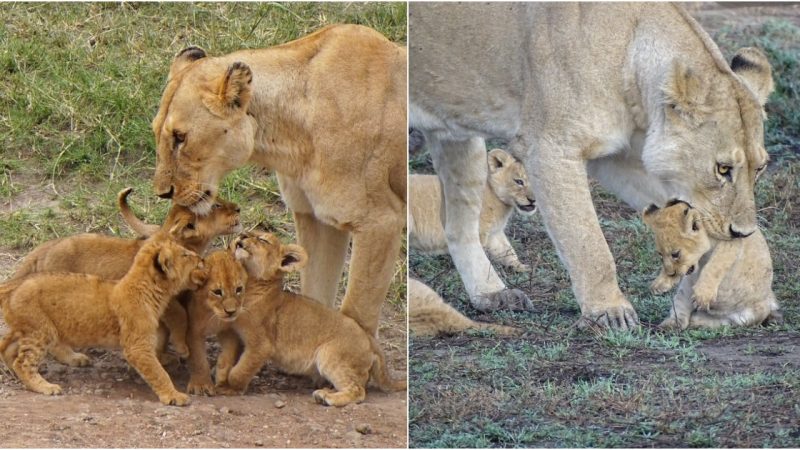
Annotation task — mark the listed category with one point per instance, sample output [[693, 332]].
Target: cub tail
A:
[[144, 229]]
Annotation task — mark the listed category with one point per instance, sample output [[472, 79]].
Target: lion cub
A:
[[297, 334], [507, 189], [56, 311], [724, 282], [110, 257], [213, 309]]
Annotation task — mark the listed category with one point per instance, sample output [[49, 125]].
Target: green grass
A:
[[556, 386], [81, 83]]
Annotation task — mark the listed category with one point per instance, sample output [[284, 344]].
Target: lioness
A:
[[724, 282], [56, 311], [111, 257], [296, 334], [635, 95], [507, 189], [429, 315], [327, 113]]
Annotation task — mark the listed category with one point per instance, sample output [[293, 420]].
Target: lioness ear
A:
[[685, 92], [497, 159], [294, 258], [235, 89], [184, 58], [754, 69]]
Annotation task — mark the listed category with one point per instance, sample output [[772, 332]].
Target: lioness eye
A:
[[519, 182], [724, 170], [676, 255], [217, 292]]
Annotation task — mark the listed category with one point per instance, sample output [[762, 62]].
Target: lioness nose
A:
[[738, 234], [168, 194]]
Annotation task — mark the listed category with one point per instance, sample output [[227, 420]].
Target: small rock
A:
[[364, 428], [225, 410], [280, 404], [354, 436], [259, 443]]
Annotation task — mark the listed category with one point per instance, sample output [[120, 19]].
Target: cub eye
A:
[[216, 206], [178, 138], [519, 182], [190, 226], [676, 255], [724, 170], [217, 292], [239, 290]]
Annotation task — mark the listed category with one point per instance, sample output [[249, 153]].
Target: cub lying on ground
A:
[[297, 334], [213, 309], [110, 257], [56, 311], [429, 315], [724, 282], [507, 189]]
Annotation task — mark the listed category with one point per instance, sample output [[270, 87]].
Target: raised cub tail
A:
[[144, 229], [429, 315], [379, 372]]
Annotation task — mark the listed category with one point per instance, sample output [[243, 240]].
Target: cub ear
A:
[[647, 213], [753, 67], [163, 262], [233, 90], [692, 222], [199, 276], [183, 228], [293, 259], [497, 159], [184, 58], [685, 93]]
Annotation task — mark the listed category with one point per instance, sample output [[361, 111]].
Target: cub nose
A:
[[168, 194], [230, 312]]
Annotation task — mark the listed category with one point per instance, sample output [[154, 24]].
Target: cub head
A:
[[190, 229], [707, 139], [172, 264], [202, 129], [509, 181], [681, 239], [225, 286], [266, 258]]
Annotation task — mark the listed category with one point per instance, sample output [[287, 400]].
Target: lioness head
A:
[[224, 288], [266, 258], [681, 238], [172, 264], [202, 128], [509, 181], [708, 140]]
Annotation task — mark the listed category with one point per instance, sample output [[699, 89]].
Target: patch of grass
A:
[[558, 387]]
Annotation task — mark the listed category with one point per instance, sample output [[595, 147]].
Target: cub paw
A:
[[321, 396], [228, 390], [48, 389], [200, 388], [663, 284], [80, 360], [522, 268], [175, 399], [702, 299], [510, 299]]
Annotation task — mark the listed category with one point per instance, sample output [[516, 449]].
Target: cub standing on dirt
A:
[[724, 282], [296, 334], [56, 311], [507, 189], [110, 257]]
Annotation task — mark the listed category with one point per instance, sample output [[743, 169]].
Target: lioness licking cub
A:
[[56, 311], [722, 282], [297, 334]]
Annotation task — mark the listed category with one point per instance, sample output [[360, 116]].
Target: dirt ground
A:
[[109, 405]]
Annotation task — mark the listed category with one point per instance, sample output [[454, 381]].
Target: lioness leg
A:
[[371, 269], [562, 191], [462, 169], [139, 349], [31, 352], [65, 355]]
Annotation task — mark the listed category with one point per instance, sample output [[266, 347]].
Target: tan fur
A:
[[507, 189], [110, 257], [635, 95], [429, 315], [325, 112], [724, 282], [212, 310], [57, 311], [297, 334]]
